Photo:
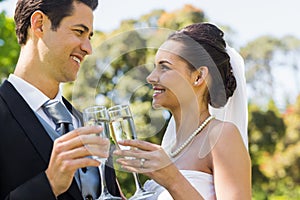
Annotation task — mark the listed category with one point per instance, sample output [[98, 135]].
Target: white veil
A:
[[236, 109]]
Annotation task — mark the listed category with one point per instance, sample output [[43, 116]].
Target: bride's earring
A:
[[198, 79]]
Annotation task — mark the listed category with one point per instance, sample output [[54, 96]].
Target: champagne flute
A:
[[122, 127], [97, 115]]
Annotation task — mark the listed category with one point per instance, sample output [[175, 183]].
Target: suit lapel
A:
[[27, 120], [74, 112]]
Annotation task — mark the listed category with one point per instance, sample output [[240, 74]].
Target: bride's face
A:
[[171, 78]]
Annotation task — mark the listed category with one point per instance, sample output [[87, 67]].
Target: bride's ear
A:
[[200, 75]]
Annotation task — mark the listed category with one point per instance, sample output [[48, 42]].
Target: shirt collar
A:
[[33, 96]]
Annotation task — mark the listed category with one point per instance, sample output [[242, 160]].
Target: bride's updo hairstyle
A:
[[203, 45]]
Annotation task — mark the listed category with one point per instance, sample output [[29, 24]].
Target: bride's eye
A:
[[164, 67]]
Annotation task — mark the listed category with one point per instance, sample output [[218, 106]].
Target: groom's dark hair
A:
[[56, 10]]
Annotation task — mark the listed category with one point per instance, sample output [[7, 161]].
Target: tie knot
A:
[[57, 111]]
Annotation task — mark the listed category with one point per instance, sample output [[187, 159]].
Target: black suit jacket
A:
[[25, 149]]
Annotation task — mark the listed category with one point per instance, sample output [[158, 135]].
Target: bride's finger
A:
[[147, 146], [134, 153], [135, 165]]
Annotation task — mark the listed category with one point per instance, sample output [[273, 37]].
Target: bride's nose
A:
[[152, 77]]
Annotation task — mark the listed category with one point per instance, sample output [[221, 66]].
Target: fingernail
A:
[[116, 152]]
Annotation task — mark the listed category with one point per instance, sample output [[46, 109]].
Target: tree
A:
[[181, 18], [265, 128], [274, 148], [150, 19], [9, 48], [266, 59]]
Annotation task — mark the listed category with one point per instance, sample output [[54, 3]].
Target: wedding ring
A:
[[142, 161]]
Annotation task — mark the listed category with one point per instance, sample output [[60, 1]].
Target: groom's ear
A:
[[37, 23]]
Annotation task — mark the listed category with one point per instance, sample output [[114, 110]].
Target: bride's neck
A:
[[188, 119]]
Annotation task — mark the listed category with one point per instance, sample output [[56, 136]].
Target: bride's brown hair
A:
[[203, 45]]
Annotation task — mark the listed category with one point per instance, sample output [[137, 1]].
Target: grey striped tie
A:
[[60, 116]]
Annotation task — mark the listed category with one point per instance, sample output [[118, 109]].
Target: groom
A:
[[54, 36]]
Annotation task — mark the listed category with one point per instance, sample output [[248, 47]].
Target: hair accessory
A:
[[192, 136]]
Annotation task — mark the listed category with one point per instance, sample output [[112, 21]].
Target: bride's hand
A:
[[149, 159]]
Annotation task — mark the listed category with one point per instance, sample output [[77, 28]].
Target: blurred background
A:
[[127, 35]]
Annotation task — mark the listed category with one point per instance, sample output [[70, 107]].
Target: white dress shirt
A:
[[35, 98]]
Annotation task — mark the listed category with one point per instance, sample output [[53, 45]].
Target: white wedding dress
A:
[[201, 181]]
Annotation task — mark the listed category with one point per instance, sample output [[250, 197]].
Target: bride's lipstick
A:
[[158, 91]]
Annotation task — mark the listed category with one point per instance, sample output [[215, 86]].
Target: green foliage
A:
[[266, 129], [275, 152], [9, 48]]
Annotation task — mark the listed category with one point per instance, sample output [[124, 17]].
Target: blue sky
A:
[[250, 19]]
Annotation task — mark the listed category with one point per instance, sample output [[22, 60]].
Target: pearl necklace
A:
[[198, 130]]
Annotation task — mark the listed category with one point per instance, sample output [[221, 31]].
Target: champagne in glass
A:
[[97, 115], [122, 127]]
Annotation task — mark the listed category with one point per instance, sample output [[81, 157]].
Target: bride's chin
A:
[[156, 105]]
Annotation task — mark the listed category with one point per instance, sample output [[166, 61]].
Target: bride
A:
[[203, 155]]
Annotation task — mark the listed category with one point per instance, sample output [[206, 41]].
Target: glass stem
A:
[[137, 181], [103, 181]]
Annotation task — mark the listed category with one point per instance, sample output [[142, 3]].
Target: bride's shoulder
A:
[[227, 134], [223, 126]]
